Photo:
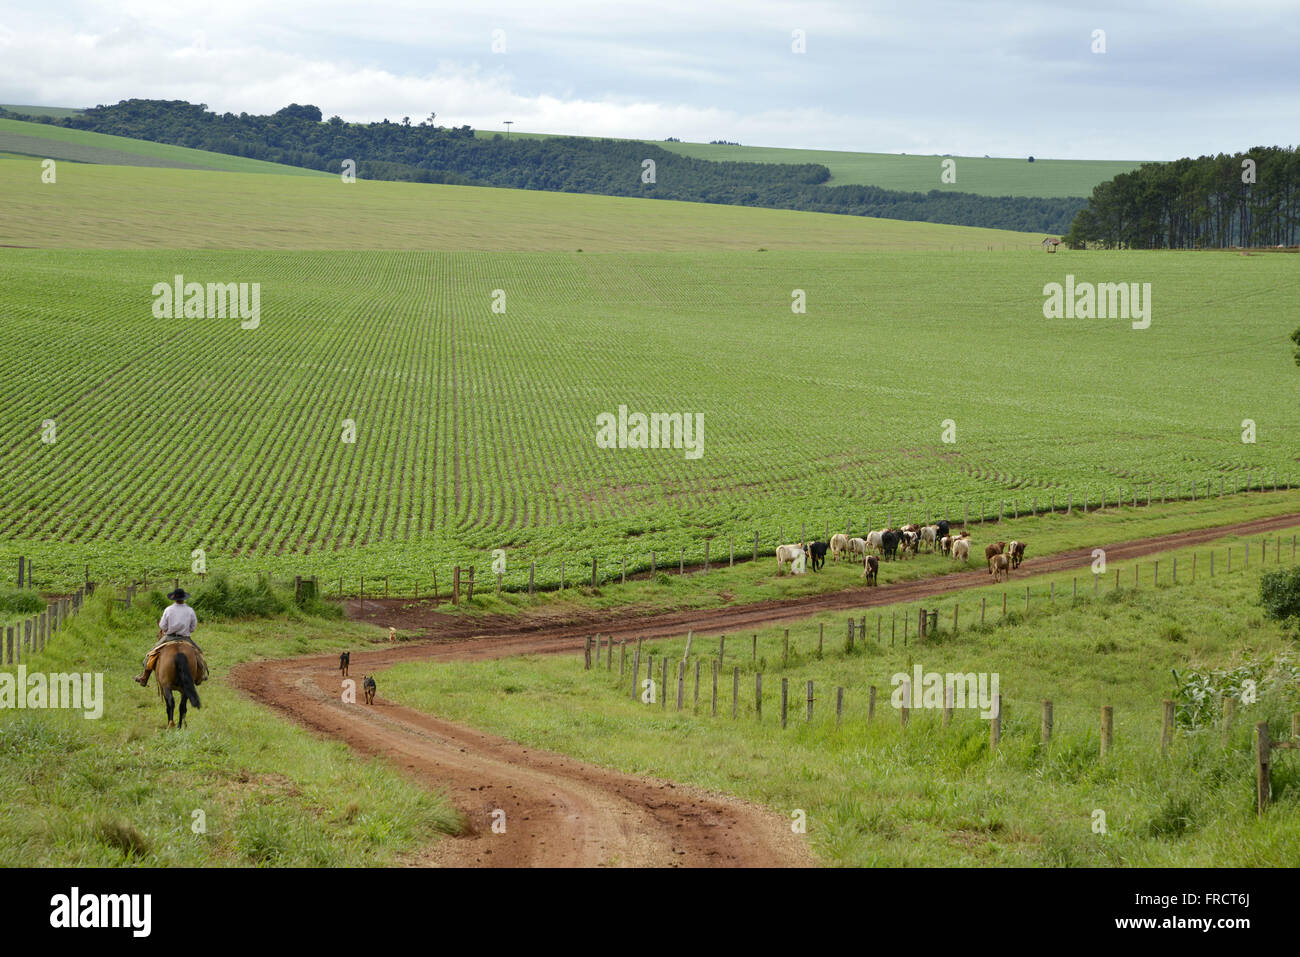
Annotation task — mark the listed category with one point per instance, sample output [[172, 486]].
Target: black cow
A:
[[889, 544], [817, 552], [944, 530], [870, 568]]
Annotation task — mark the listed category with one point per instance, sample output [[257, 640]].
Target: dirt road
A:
[[561, 812]]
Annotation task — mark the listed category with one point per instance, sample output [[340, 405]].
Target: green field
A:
[[118, 790], [984, 176], [477, 430], [56, 111], [128, 208], [875, 795], [82, 146]]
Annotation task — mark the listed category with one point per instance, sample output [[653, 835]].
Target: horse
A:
[[177, 664]]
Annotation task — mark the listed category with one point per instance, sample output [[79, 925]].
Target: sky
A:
[[967, 77]]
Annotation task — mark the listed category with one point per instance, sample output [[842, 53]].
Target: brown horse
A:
[[177, 664]]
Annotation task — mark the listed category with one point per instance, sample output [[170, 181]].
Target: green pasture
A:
[[120, 789], [132, 208], [984, 176], [877, 794], [42, 141]]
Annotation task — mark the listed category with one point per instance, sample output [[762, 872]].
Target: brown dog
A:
[[368, 688]]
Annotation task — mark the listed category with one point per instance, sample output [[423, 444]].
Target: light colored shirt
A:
[[178, 620]]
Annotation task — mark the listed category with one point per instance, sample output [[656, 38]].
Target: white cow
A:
[[839, 545], [961, 549], [858, 546], [790, 553], [874, 539], [928, 534]]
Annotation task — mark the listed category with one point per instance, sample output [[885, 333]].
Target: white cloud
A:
[[1005, 77]]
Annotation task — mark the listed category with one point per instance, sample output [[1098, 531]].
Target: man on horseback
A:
[[177, 624]]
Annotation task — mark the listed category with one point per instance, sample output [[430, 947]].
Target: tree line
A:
[[1242, 199], [424, 152]]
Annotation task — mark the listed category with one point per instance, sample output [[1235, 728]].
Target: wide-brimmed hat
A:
[[178, 595]]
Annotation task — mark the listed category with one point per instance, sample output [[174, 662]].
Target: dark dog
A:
[[368, 688], [817, 552], [870, 567], [345, 659]]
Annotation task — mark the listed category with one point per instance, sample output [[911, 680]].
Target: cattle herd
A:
[[890, 544]]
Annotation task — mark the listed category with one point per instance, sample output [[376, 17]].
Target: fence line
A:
[[602, 570]]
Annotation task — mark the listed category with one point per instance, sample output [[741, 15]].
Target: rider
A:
[[177, 624]]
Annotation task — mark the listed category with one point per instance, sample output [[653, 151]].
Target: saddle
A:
[[168, 639]]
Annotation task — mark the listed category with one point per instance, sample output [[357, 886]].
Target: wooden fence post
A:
[[810, 701], [1263, 758], [636, 668], [839, 705], [907, 701], [735, 689], [715, 687], [785, 687], [663, 698], [758, 696], [622, 657], [681, 682], [871, 702], [1107, 727], [1047, 722], [586, 654]]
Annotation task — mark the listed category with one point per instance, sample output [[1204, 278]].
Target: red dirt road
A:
[[561, 812]]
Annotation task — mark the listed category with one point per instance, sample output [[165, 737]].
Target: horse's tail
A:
[[187, 680]]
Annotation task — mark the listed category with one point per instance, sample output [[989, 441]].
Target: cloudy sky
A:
[[998, 77]]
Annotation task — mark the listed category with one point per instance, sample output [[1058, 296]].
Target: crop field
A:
[[132, 208], [475, 430], [982, 175], [83, 146]]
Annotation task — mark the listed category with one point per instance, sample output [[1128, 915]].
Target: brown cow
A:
[[1000, 567], [869, 569], [992, 550]]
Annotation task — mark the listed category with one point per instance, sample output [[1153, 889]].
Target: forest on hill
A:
[[425, 152], [1212, 202]]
